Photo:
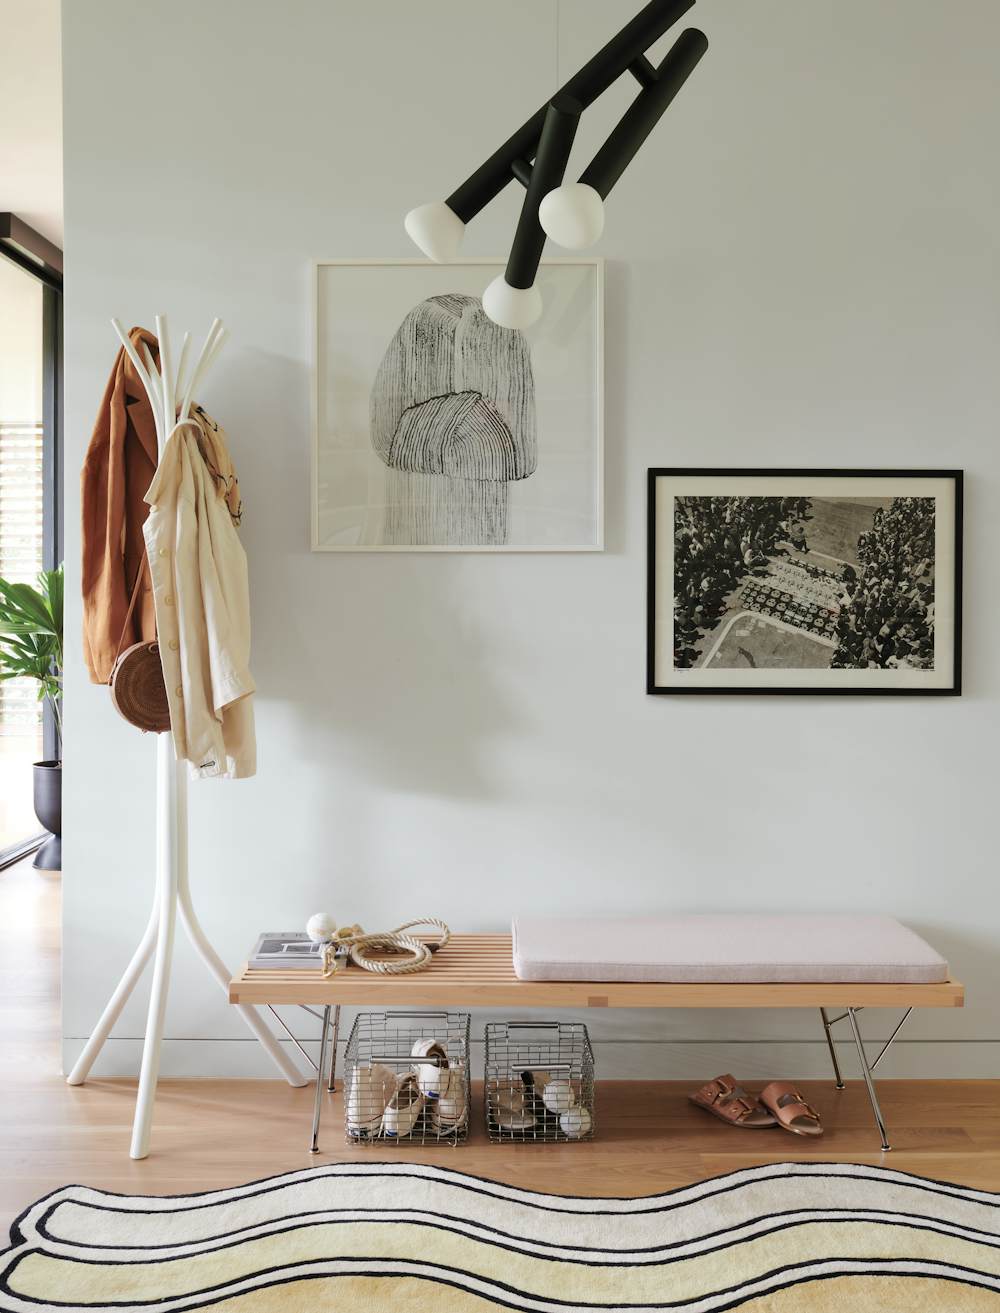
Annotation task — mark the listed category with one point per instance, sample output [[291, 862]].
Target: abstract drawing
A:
[[437, 430], [453, 419]]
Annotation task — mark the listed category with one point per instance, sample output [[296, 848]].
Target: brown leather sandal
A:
[[790, 1108], [730, 1102]]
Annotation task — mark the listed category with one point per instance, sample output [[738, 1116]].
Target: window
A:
[[30, 530]]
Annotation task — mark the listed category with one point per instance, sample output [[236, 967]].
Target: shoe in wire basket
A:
[[539, 1086], [406, 1078]]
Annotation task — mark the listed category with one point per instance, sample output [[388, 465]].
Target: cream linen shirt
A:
[[202, 599]]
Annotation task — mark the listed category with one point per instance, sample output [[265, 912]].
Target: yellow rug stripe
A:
[[42, 1277], [408, 1295]]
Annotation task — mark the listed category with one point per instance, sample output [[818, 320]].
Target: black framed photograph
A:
[[804, 581]]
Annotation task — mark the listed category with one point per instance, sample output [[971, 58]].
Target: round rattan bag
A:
[[137, 686], [138, 690]]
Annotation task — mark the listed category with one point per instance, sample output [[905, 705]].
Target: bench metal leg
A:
[[320, 1080], [333, 1056], [866, 1072], [833, 1052]]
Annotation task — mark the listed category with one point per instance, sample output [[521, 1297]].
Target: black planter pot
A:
[[48, 809]]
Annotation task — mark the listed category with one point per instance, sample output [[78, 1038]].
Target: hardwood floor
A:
[[210, 1133]]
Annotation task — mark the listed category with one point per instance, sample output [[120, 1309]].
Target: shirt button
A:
[[168, 600], [173, 645], [179, 691], [163, 552]]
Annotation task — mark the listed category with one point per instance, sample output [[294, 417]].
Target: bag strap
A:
[[140, 574]]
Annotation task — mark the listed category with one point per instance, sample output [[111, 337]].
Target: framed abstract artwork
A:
[[437, 430], [804, 581]]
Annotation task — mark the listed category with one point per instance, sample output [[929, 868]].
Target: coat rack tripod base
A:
[[173, 890]]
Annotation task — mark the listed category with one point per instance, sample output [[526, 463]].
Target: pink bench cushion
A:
[[722, 948]]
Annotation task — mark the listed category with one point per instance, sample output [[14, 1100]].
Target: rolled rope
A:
[[360, 944]]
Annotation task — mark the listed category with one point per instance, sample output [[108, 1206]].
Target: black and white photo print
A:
[[799, 581], [438, 430]]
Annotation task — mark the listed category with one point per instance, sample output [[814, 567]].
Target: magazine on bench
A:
[[286, 950]]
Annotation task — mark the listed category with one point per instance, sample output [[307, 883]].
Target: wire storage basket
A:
[[406, 1078], [539, 1086]]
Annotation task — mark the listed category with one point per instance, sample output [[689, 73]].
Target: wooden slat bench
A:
[[478, 971]]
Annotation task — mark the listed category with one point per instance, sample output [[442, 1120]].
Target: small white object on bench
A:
[[726, 948]]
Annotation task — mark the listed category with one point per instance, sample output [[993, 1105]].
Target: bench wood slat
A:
[[478, 971]]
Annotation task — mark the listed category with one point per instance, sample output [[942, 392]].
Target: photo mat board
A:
[[804, 581], [437, 430]]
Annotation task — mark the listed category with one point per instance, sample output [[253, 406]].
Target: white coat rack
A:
[[170, 396]]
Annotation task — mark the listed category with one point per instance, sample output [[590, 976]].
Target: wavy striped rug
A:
[[790, 1238]]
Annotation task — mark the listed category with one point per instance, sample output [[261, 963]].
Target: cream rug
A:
[[790, 1238]]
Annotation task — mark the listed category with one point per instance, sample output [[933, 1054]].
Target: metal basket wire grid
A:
[[539, 1082], [406, 1078]]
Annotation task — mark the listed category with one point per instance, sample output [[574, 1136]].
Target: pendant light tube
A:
[[512, 300], [586, 86], [644, 113], [561, 122]]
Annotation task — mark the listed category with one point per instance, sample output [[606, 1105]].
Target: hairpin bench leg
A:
[[320, 1080], [869, 1082], [333, 1056], [833, 1052]]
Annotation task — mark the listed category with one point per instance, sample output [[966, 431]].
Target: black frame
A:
[[653, 474], [37, 256]]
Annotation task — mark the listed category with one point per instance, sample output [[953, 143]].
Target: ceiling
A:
[[31, 124]]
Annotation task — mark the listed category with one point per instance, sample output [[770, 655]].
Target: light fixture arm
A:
[[586, 85], [562, 118], [645, 112]]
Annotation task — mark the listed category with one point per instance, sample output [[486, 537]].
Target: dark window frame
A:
[[40, 258]]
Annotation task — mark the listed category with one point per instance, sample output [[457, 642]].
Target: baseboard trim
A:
[[622, 1059]]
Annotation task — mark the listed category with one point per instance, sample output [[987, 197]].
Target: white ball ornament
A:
[[575, 1122], [558, 1096], [572, 215], [512, 307], [321, 928]]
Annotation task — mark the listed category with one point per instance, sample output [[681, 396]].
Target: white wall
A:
[[803, 270], [31, 123]]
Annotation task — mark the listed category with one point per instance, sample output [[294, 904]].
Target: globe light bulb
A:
[[572, 215], [512, 307], [436, 229]]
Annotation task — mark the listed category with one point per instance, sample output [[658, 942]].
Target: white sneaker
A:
[[432, 1075], [403, 1109], [449, 1109], [371, 1089], [510, 1108]]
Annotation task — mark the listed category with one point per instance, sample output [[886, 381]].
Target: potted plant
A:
[[31, 646]]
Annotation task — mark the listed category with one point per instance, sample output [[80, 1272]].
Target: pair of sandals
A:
[[778, 1104]]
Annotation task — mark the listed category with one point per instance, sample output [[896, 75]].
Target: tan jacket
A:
[[120, 461], [202, 599]]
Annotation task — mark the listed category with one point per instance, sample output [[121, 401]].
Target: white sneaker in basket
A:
[[448, 1110], [371, 1088], [510, 1108], [432, 1074], [403, 1109]]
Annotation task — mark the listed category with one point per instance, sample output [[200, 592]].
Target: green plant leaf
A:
[[31, 632], [16, 627], [32, 603], [53, 587]]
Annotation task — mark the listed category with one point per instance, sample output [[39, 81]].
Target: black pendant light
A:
[[570, 213]]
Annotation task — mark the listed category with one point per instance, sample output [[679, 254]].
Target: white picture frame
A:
[[358, 310]]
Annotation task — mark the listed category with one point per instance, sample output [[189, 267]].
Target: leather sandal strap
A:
[[723, 1092], [787, 1103]]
